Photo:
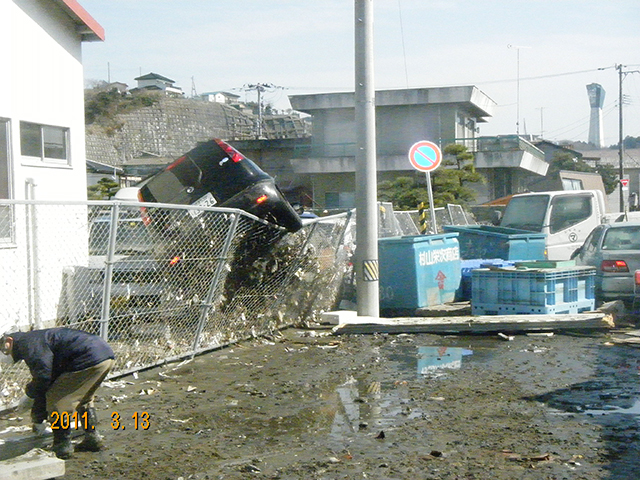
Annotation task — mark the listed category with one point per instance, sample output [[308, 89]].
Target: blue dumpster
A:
[[418, 271], [486, 241]]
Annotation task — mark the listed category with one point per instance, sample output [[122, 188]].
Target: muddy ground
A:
[[309, 405]]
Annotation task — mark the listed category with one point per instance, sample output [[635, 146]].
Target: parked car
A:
[[216, 174], [137, 280], [614, 249]]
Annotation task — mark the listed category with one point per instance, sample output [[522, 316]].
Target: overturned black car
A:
[[216, 174]]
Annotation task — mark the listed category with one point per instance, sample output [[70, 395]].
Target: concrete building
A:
[[403, 117], [42, 145], [631, 164]]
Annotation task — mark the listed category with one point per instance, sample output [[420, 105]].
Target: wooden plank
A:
[[35, 465], [482, 324]]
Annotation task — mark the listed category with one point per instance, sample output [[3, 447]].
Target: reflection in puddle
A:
[[370, 407], [376, 406], [433, 359], [633, 410]]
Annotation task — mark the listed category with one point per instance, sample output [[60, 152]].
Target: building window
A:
[[6, 211], [339, 199], [47, 143], [571, 184]]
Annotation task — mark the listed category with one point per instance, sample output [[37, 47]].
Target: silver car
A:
[[614, 249]]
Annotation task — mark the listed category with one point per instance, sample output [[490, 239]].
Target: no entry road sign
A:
[[425, 156]]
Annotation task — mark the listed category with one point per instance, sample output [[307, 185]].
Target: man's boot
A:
[[92, 441], [62, 446]]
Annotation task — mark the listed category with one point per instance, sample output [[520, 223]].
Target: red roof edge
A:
[[93, 31]]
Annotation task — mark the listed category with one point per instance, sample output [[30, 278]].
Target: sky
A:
[[534, 58]]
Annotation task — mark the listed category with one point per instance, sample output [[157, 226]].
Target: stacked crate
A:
[[519, 290]]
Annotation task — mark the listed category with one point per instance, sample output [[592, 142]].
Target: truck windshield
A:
[[526, 213]]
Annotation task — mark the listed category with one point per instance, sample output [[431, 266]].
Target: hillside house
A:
[[153, 81], [220, 97]]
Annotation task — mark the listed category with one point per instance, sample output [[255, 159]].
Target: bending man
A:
[[67, 367]]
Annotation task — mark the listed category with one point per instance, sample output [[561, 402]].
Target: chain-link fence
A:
[[162, 282]]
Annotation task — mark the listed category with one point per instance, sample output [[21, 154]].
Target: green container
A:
[[418, 271]]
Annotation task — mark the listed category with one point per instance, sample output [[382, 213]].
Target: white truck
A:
[[566, 217]]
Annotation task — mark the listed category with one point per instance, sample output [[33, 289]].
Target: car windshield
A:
[[622, 238], [132, 237], [526, 213]]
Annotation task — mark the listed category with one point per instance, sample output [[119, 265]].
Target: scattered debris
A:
[[179, 420], [508, 338], [34, 465]]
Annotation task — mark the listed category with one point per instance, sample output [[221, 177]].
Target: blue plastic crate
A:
[[463, 293], [494, 309], [522, 291]]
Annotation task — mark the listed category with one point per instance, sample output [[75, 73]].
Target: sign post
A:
[[426, 156], [625, 183]]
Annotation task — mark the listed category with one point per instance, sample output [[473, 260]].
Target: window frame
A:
[[7, 227], [45, 131]]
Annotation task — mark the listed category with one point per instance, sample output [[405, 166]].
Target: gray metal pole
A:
[[108, 272], [620, 139], [432, 207], [367, 275], [221, 262]]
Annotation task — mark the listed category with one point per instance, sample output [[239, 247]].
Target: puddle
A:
[[432, 360], [610, 409], [378, 406]]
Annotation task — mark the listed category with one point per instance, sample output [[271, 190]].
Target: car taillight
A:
[[638, 277], [614, 266], [146, 219], [261, 199], [234, 155], [174, 261]]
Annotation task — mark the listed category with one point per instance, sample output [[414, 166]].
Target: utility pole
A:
[[620, 137], [541, 123], [621, 76], [194, 93], [367, 271], [517, 86], [260, 88]]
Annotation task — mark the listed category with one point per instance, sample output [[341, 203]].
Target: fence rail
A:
[[165, 283]]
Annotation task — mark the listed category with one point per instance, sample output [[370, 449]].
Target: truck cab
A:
[[566, 217]]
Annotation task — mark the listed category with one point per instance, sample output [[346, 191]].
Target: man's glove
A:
[[25, 403], [39, 428]]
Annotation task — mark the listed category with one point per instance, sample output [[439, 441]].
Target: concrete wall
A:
[[169, 128]]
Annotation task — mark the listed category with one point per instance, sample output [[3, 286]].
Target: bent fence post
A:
[[108, 273], [208, 301]]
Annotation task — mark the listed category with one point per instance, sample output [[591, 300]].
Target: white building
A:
[[220, 97], [153, 81], [42, 148]]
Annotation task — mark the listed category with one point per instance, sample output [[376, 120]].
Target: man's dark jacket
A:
[[51, 352]]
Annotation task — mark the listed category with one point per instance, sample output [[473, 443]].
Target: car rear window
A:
[[207, 168], [623, 238]]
